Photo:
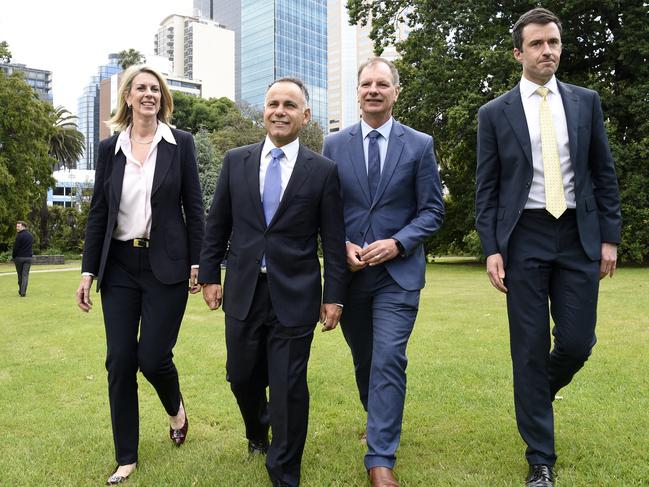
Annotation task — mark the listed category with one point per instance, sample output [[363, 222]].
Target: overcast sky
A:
[[72, 38]]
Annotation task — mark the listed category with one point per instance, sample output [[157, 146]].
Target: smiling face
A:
[[285, 112], [540, 52], [144, 95], [377, 93]]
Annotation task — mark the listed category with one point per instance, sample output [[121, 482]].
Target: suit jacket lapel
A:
[[357, 158], [571, 109], [251, 170], [516, 116], [392, 156], [166, 153], [299, 175], [117, 175]]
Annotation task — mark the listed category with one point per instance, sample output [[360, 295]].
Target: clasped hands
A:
[[375, 253]]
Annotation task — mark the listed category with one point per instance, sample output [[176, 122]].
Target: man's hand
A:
[[330, 316], [194, 286], [496, 272], [608, 263], [83, 293], [212, 294], [379, 252], [354, 257]]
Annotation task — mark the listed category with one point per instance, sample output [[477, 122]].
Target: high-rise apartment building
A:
[[39, 79], [88, 111], [278, 38], [228, 14], [201, 50]]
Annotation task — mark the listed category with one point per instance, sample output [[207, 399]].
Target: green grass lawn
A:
[[459, 427]]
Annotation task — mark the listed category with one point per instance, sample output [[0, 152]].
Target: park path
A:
[[63, 269]]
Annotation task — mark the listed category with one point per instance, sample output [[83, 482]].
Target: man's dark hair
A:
[[21, 222], [295, 81], [535, 16]]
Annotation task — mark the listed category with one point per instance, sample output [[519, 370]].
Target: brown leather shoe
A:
[[382, 477]]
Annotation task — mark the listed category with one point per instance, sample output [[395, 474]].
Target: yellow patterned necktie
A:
[[555, 199]]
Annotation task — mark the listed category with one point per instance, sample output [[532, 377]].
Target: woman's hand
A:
[[83, 293], [194, 286]]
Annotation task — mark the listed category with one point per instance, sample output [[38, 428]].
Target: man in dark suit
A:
[[392, 202], [271, 201], [548, 216], [22, 256]]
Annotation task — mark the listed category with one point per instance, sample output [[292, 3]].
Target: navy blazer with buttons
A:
[[177, 215], [408, 203], [504, 171], [236, 226]]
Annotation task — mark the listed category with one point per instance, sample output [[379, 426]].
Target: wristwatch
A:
[[400, 248]]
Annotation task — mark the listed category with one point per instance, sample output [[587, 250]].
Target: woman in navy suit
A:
[[142, 244]]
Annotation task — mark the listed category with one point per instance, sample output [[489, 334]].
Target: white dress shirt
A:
[[134, 217], [286, 163], [531, 106], [384, 130]]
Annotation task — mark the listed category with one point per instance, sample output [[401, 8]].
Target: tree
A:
[[25, 164], [129, 57], [209, 162], [192, 113], [66, 142], [458, 56], [66, 146], [5, 53]]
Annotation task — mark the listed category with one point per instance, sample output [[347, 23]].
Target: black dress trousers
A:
[[135, 302]]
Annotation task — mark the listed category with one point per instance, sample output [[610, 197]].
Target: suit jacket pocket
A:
[[591, 203], [176, 243]]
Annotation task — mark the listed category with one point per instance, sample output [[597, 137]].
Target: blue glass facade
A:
[[88, 112], [284, 38]]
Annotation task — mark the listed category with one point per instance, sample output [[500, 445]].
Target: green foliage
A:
[[458, 56], [130, 57], [66, 142], [209, 166], [5, 53], [25, 163], [192, 113]]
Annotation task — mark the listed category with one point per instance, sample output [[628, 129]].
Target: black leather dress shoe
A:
[[540, 476], [257, 447]]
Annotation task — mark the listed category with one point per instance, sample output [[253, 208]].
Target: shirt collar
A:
[[384, 129], [162, 132], [290, 150], [528, 88]]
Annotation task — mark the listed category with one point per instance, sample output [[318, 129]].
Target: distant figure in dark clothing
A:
[[22, 255]]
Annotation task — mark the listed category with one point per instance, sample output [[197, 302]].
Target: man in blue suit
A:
[[392, 201], [548, 216]]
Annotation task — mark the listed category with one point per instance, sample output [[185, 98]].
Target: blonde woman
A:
[[142, 245]]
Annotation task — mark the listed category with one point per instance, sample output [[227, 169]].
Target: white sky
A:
[[72, 38]]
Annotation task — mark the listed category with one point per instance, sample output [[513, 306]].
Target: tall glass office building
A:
[[278, 38], [88, 111]]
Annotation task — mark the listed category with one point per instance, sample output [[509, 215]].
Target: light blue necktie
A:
[[272, 189], [272, 185]]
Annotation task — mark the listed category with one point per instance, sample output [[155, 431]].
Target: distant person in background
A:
[[22, 256], [142, 244]]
